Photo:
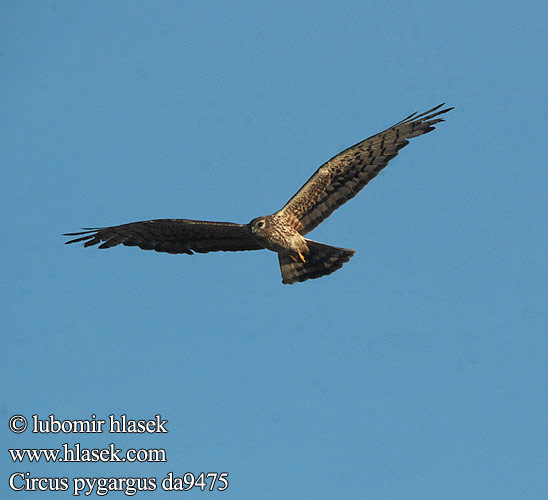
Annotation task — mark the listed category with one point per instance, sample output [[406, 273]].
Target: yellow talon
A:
[[300, 255]]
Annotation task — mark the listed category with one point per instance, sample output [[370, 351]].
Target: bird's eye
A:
[[260, 223]]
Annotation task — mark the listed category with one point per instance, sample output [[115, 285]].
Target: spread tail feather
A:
[[320, 261]]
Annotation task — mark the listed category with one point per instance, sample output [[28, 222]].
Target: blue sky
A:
[[416, 371]]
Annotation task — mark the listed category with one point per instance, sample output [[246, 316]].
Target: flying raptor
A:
[[332, 185]]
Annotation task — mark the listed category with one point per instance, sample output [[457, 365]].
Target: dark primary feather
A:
[[344, 175], [172, 236]]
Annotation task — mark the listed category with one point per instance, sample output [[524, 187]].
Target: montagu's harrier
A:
[[333, 184]]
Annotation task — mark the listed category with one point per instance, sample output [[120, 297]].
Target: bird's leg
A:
[[300, 255]]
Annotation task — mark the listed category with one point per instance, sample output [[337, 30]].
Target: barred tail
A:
[[320, 261]]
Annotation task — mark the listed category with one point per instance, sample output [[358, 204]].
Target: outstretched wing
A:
[[172, 236], [342, 177]]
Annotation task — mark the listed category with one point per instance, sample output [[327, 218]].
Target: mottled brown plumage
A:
[[332, 185]]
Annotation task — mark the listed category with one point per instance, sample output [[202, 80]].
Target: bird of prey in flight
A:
[[300, 259]]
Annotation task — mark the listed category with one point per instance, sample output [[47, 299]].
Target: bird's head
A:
[[259, 224]]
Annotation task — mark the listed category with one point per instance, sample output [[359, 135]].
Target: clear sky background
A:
[[419, 370]]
